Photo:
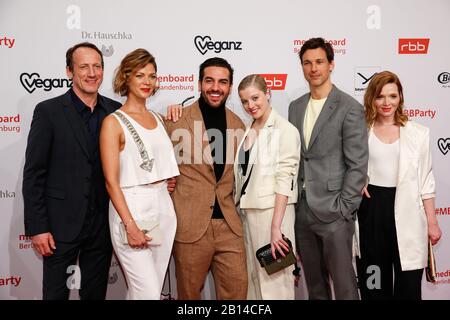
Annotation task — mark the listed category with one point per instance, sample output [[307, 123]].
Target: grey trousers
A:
[[325, 250]]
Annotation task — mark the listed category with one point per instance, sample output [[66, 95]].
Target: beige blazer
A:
[[196, 187], [273, 163], [415, 183]]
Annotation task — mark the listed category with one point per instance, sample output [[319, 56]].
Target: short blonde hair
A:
[[132, 62], [376, 84]]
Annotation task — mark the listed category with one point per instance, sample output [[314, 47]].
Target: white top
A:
[[158, 146], [312, 113], [383, 159]]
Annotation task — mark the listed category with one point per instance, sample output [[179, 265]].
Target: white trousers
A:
[[145, 269], [257, 232]]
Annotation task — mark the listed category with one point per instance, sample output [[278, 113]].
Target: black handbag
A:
[[271, 265]]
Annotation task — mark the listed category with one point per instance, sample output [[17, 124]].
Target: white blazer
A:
[[273, 163], [415, 182]]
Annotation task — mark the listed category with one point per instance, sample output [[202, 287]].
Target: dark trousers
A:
[[379, 270], [93, 250], [325, 250]]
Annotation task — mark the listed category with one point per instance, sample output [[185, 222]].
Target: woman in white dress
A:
[[138, 159], [266, 169]]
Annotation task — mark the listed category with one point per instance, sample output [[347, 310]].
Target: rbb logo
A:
[[444, 77], [275, 81], [413, 46]]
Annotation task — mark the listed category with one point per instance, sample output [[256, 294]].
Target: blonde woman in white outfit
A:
[[138, 159], [266, 170]]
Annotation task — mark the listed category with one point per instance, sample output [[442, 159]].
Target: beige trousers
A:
[[218, 250], [257, 226]]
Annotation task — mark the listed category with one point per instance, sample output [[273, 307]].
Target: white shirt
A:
[[383, 159]]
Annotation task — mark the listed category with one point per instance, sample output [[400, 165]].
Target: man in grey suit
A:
[[333, 168]]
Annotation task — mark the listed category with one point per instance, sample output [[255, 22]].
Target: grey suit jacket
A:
[[334, 164]]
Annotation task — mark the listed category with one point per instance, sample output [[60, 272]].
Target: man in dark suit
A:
[[333, 169], [65, 199]]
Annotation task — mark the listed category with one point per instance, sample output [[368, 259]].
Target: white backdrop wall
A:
[[258, 36]]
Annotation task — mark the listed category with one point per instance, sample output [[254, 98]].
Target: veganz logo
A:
[[444, 145], [275, 81], [413, 46], [32, 81], [204, 44]]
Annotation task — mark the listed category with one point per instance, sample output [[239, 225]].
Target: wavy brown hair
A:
[[376, 84], [132, 62]]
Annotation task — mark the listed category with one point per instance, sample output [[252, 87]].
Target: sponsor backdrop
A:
[[409, 37]]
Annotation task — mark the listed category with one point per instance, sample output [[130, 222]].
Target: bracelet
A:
[[128, 222]]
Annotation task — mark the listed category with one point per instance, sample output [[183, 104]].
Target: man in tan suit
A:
[[209, 233]]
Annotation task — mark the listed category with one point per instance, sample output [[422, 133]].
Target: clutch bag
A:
[[431, 267], [271, 265], [148, 227]]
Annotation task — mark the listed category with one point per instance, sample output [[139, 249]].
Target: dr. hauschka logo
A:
[[420, 112], [10, 281], [10, 124], [444, 145], [7, 42], [6, 194], [275, 81], [339, 45], [413, 45], [176, 82], [107, 51], [444, 79], [25, 242], [33, 81], [97, 35], [362, 78], [205, 43]]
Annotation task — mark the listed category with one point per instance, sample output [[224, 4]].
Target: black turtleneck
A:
[[215, 121]]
